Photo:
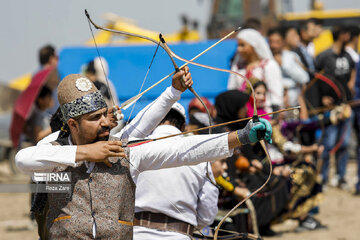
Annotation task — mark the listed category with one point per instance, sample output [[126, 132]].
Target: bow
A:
[[130, 101], [162, 46], [339, 91], [171, 55], [134, 99]]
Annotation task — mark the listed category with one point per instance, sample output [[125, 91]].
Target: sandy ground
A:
[[340, 211]]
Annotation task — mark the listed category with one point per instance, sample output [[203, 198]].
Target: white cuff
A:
[[173, 93]]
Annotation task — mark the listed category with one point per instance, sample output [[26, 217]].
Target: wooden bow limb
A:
[[163, 45], [168, 50], [130, 101], [215, 69]]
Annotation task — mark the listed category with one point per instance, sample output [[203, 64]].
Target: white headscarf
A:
[[100, 75], [257, 41]]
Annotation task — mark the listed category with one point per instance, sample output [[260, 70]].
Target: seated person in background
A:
[[198, 115], [260, 89]]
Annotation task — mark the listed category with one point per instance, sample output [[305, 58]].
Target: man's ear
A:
[[73, 124]]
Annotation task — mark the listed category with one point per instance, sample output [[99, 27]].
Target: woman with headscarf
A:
[[232, 105], [255, 60]]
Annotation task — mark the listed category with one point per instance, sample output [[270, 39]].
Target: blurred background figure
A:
[[315, 28], [48, 57], [38, 125], [198, 117], [339, 67], [352, 46], [256, 61], [102, 72], [291, 38], [294, 76], [307, 33], [91, 73], [260, 90]]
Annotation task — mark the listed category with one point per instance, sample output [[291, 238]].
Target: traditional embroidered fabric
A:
[[82, 105], [100, 205]]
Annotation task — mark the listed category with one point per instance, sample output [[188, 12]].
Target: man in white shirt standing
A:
[[188, 199], [101, 202], [293, 73]]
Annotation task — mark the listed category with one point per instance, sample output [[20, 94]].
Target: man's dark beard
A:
[[100, 131]]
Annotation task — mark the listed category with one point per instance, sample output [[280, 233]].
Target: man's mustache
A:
[[103, 129]]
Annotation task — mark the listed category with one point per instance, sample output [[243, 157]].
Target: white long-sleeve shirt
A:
[[141, 126], [165, 153], [44, 157], [270, 74], [183, 193]]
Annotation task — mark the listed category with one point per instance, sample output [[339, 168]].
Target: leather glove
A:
[[249, 134]]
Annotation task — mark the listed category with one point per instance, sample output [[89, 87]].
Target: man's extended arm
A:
[[175, 152], [172, 152], [150, 117], [45, 156]]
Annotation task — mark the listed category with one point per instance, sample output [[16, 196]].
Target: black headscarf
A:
[[228, 104]]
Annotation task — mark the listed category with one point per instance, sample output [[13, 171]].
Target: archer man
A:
[[104, 173]]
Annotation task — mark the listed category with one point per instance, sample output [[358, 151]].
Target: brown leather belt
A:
[[162, 222]]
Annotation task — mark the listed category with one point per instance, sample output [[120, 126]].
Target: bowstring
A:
[[143, 82], [101, 63]]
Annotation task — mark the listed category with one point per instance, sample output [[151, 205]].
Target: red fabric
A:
[[139, 143], [195, 103], [249, 73], [250, 111], [24, 103]]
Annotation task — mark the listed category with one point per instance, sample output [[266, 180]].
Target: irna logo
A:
[[52, 177]]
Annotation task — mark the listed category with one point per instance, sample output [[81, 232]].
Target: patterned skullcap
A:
[[77, 96]]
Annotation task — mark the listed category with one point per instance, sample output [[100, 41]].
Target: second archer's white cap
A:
[[179, 108]]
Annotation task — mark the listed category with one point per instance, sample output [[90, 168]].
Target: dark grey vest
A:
[[106, 197]]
